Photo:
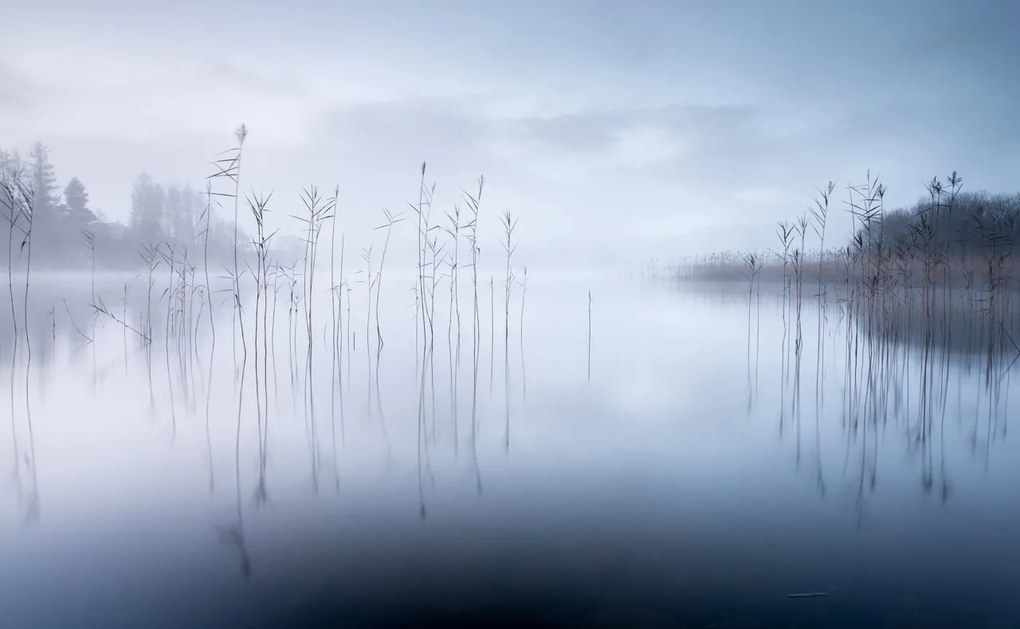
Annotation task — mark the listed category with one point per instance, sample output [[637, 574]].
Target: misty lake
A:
[[688, 467]]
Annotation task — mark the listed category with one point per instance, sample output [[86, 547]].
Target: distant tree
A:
[[7, 172], [183, 206], [10, 168], [44, 183], [196, 204], [965, 225], [76, 200], [10, 163], [171, 215], [148, 203]]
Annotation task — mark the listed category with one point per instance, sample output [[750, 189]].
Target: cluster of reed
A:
[[17, 204], [179, 288], [911, 304], [439, 264]]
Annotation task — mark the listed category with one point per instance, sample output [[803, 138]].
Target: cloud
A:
[[610, 131], [252, 81], [567, 173], [600, 123]]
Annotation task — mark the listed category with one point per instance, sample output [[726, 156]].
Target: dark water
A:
[[693, 481]]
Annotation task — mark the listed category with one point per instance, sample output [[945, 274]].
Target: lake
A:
[[692, 465]]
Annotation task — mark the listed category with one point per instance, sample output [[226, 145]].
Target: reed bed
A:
[[175, 313], [918, 293]]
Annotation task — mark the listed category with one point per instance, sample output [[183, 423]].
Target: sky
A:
[[615, 131]]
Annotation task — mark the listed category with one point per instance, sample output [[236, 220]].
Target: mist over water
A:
[[695, 479], [534, 313]]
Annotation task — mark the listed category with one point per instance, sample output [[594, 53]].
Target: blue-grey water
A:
[[677, 471]]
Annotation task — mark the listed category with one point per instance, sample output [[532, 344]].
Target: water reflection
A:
[[932, 375], [661, 450]]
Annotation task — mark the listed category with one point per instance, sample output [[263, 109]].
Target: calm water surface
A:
[[691, 479]]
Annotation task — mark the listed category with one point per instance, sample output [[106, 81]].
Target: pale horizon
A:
[[613, 133]]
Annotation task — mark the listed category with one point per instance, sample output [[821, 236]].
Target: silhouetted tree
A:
[[76, 200], [148, 202], [183, 206], [10, 163], [961, 228], [44, 184], [157, 214]]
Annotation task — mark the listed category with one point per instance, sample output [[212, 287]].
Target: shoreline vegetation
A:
[[939, 278], [968, 239], [176, 237], [65, 223], [911, 300]]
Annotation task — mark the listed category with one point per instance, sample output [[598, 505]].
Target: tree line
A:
[[973, 223], [64, 217]]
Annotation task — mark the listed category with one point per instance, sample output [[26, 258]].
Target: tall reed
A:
[[391, 220], [509, 247], [11, 189], [317, 211], [229, 167], [259, 206], [474, 205]]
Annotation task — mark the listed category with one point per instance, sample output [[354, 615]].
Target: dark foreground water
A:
[[692, 480]]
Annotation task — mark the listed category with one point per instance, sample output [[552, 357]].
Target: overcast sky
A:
[[628, 130]]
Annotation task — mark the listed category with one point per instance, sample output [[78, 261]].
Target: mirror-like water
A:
[[696, 464]]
